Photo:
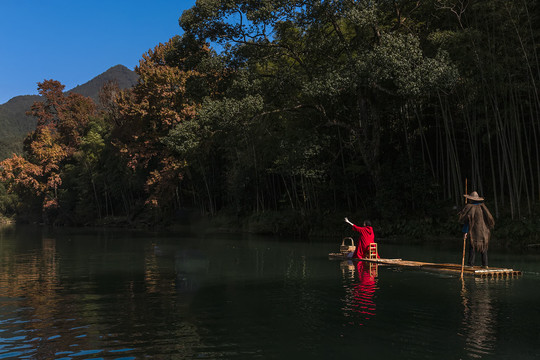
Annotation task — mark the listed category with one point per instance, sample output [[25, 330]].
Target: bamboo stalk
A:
[[463, 256], [464, 237]]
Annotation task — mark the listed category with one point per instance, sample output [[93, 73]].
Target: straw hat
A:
[[474, 196]]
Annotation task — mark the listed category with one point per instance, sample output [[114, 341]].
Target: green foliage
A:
[[313, 109], [399, 66], [8, 202]]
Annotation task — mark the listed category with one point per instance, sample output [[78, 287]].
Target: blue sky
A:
[[73, 41]]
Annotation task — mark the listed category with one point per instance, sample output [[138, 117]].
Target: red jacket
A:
[[366, 237]]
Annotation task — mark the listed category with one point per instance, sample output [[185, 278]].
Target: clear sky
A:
[[73, 41]]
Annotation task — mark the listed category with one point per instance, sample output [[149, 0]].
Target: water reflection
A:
[[479, 325], [82, 294], [30, 302], [360, 287], [190, 266], [65, 296]]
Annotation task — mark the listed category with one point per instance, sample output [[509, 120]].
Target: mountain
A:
[[15, 124], [122, 75]]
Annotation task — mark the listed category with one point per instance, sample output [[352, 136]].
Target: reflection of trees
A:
[[360, 293], [78, 297], [157, 280], [479, 322], [189, 265], [33, 280], [33, 274]]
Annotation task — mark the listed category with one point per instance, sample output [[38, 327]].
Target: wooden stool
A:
[[372, 251]]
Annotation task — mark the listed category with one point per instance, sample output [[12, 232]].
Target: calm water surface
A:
[[82, 294]]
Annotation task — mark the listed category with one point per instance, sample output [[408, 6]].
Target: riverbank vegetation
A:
[[283, 116]]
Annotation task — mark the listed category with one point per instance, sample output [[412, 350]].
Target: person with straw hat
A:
[[477, 224]]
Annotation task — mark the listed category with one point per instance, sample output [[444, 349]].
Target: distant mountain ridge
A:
[[122, 75], [15, 124]]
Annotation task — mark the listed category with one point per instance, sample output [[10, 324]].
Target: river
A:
[[104, 294]]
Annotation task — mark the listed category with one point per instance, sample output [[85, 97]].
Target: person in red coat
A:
[[366, 237]]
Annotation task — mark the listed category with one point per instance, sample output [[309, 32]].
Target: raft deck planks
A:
[[476, 271]]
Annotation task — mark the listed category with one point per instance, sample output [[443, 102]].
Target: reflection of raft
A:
[[448, 268]]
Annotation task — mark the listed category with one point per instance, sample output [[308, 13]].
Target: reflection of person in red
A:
[[364, 291], [359, 300], [366, 237], [366, 274]]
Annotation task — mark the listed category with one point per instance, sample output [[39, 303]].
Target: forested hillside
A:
[[15, 124], [309, 110], [121, 75]]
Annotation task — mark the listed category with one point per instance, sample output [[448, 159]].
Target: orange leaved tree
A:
[[166, 96], [61, 123]]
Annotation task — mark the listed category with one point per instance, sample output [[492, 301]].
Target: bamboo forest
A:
[[284, 116]]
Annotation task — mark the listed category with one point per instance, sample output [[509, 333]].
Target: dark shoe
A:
[[485, 267]]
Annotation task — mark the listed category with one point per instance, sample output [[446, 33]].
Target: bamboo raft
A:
[[477, 271]]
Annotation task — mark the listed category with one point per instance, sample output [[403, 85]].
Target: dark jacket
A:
[[480, 222]]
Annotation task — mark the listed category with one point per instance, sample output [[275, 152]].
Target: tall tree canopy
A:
[[61, 122], [308, 108], [331, 78], [173, 82]]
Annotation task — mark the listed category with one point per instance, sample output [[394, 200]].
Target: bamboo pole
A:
[[464, 238], [463, 256]]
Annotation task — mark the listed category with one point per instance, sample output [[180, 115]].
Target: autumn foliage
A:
[[113, 158], [160, 102], [61, 122], [310, 108]]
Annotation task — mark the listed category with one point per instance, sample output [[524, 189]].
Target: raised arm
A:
[[348, 222]]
